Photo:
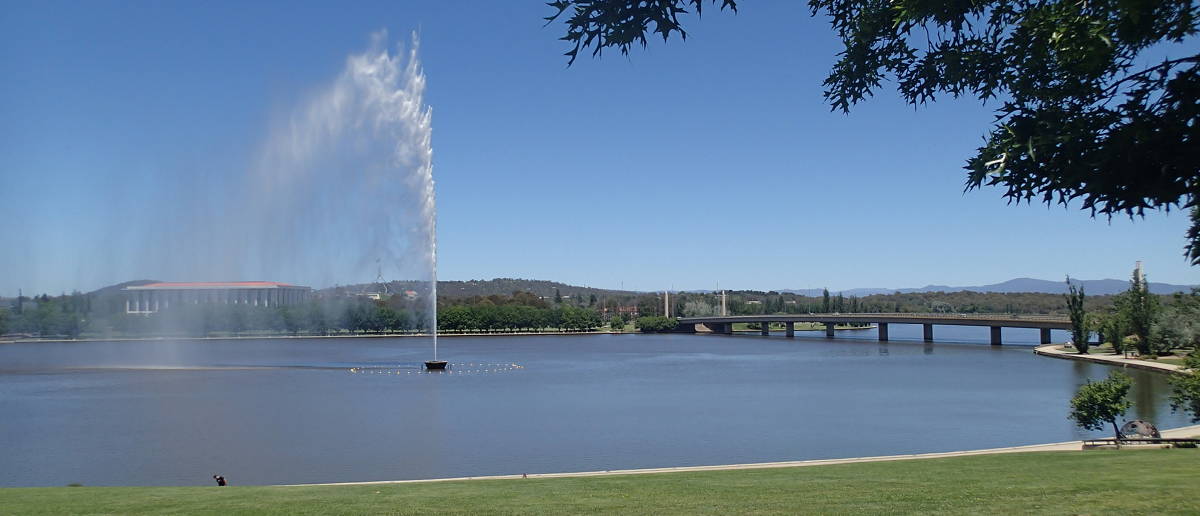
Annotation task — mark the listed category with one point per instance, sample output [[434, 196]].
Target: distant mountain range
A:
[[496, 286], [506, 286], [1091, 287]]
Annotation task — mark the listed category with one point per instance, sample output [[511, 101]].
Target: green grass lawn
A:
[[1106, 349], [1093, 482]]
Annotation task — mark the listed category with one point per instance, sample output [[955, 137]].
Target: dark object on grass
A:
[[220, 480], [1138, 428]]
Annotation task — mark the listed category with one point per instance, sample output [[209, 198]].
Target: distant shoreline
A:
[[370, 336], [1057, 351], [379, 336]]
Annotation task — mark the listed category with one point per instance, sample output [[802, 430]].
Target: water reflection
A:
[[1145, 396], [475, 368], [325, 410], [1081, 373], [1148, 394]]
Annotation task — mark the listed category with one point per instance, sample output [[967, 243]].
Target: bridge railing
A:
[[909, 315], [1020, 317]]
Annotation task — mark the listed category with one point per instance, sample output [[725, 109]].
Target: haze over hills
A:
[[495, 286], [544, 288], [1091, 287]]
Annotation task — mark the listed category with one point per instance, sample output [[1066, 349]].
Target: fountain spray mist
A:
[[346, 181], [340, 184]]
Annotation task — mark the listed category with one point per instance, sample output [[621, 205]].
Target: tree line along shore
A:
[[346, 311]]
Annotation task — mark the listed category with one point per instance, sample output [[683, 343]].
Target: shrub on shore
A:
[[656, 324]]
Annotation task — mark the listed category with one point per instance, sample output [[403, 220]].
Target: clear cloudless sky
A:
[[709, 160]]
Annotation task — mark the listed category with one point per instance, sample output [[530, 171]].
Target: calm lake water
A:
[[326, 410]]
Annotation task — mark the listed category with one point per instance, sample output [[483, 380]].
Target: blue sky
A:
[[689, 163]]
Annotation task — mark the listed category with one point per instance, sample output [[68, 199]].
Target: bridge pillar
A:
[[995, 335], [791, 329], [765, 330], [727, 328], [883, 336], [928, 332], [1045, 335], [712, 327], [829, 330]]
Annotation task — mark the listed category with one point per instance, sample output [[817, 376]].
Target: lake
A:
[[271, 411]]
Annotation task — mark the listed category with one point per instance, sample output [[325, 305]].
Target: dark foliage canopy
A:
[[600, 24], [1097, 403], [1092, 105]]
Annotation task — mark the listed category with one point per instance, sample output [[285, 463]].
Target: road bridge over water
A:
[[724, 324]]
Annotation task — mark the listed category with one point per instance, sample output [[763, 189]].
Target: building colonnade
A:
[[149, 300]]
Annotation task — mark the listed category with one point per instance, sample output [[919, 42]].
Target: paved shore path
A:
[[1184, 432], [1057, 351]]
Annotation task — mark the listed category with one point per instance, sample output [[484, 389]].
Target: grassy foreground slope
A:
[[1094, 482]]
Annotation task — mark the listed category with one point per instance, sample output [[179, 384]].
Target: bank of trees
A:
[[91, 315], [66, 315], [510, 318], [1138, 320], [1144, 321], [1149, 324], [969, 302], [519, 311], [102, 314]]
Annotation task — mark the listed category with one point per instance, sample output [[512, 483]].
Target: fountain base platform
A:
[[435, 364]]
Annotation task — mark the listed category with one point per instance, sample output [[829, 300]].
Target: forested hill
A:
[[507, 286], [497, 286], [1014, 286]]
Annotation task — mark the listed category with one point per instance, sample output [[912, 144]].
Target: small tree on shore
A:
[[1114, 331], [617, 323], [1138, 308], [656, 324], [1097, 403], [1079, 329]]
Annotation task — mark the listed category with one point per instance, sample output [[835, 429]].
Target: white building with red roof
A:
[[152, 297]]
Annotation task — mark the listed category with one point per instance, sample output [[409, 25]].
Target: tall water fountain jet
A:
[[351, 173], [339, 191]]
